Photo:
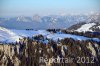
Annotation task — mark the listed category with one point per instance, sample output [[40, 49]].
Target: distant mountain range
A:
[[47, 22]]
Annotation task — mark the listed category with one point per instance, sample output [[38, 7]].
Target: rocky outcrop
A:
[[8, 54], [29, 52]]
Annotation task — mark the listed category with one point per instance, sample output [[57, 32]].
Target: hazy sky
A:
[[43, 7]]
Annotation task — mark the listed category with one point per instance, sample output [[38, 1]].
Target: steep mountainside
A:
[[91, 26]]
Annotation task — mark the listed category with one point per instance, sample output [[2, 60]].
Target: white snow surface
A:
[[30, 33], [10, 35], [99, 27], [85, 27], [62, 36]]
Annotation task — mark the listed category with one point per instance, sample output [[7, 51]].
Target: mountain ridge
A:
[[84, 26], [44, 22]]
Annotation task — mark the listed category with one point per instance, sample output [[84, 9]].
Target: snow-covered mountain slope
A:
[[83, 27], [30, 33], [54, 36], [7, 35], [86, 27]]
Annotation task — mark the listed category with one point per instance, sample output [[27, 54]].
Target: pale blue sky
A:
[[31, 7]]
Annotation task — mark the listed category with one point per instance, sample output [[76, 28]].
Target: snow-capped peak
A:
[[36, 18], [23, 19]]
